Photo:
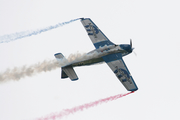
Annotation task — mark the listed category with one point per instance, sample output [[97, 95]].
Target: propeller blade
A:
[[131, 43], [135, 53]]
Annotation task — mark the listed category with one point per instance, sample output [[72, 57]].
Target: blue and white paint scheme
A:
[[105, 51]]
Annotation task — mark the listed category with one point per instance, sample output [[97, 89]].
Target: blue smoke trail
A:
[[15, 36]]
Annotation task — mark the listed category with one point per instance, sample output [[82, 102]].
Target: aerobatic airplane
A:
[[105, 51]]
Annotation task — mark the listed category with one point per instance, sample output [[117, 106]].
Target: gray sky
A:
[[153, 26]]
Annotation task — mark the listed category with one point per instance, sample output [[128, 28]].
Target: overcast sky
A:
[[153, 26]]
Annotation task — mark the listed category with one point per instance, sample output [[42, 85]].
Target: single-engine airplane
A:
[[107, 51]]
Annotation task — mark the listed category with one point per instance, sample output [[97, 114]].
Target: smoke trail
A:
[[15, 36], [47, 65], [67, 112], [21, 72]]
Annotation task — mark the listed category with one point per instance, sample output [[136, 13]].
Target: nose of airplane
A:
[[127, 47]]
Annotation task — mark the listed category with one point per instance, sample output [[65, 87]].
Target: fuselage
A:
[[95, 56]]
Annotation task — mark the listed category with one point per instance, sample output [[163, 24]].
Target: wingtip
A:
[[75, 79], [81, 18], [133, 90]]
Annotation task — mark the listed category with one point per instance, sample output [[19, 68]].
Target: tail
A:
[[66, 71]]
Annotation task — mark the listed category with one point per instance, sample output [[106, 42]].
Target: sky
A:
[[153, 26]]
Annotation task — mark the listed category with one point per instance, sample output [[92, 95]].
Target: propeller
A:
[[131, 43], [135, 53], [132, 48]]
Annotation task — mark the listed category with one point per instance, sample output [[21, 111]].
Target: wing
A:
[[117, 65], [95, 34]]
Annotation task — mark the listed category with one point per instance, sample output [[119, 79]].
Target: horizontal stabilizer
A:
[[69, 71], [59, 55]]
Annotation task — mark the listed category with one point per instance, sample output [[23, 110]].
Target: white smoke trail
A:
[[75, 57], [21, 72], [106, 49], [78, 57], [15, 36], [82, 56], [47, 65]]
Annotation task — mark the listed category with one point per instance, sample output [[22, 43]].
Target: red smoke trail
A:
[[67, 112]]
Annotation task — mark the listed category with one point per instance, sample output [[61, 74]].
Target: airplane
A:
[[106, 51]]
